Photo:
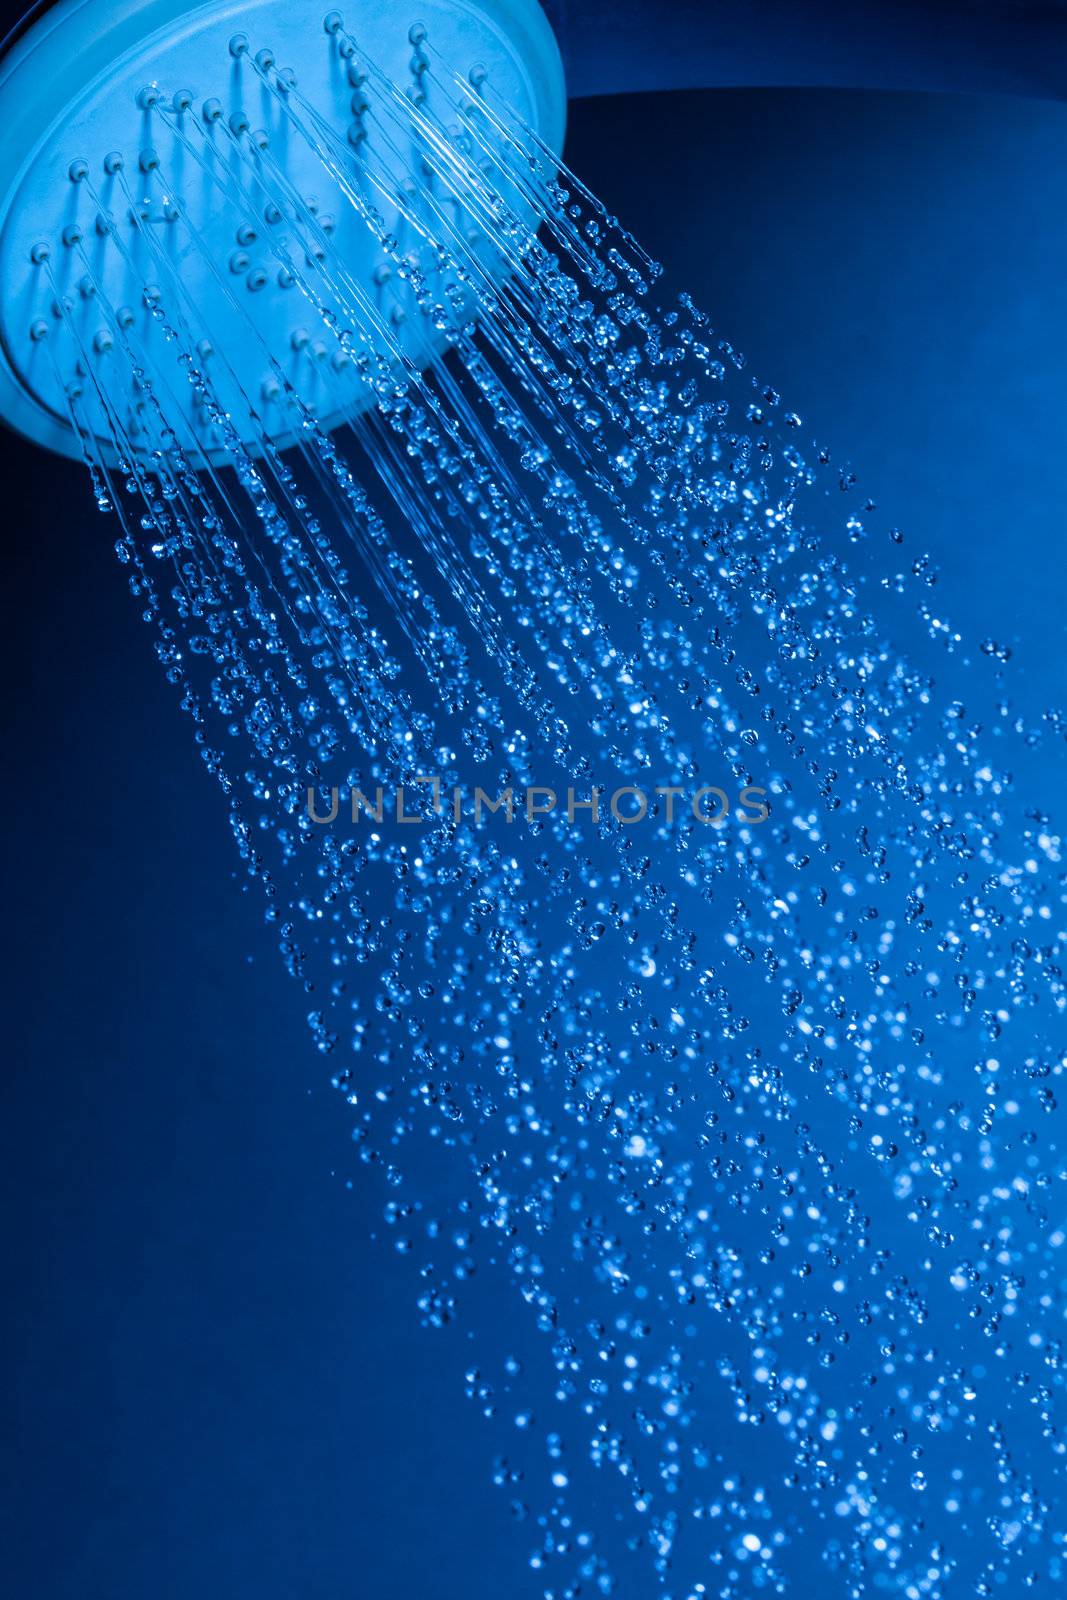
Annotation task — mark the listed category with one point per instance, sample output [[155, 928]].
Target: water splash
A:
[[754, 1116]]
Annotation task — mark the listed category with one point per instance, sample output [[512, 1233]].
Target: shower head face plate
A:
[[202, 177]]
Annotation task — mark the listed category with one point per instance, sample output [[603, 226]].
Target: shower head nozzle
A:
[[218, 176]]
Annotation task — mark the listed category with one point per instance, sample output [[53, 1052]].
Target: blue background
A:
[[219, 1382]]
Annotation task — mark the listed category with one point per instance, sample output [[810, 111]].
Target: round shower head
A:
[[233, 178]]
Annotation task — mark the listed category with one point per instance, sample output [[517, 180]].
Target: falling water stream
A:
[[680, 948]]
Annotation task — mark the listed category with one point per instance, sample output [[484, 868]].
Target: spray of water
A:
[[752, 1113]]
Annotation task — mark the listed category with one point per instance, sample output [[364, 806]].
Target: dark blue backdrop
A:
[[219, 1384]]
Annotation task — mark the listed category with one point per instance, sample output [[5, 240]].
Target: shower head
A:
[[270, 185]]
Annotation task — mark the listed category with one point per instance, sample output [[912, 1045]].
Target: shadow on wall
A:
[[982, 46]]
